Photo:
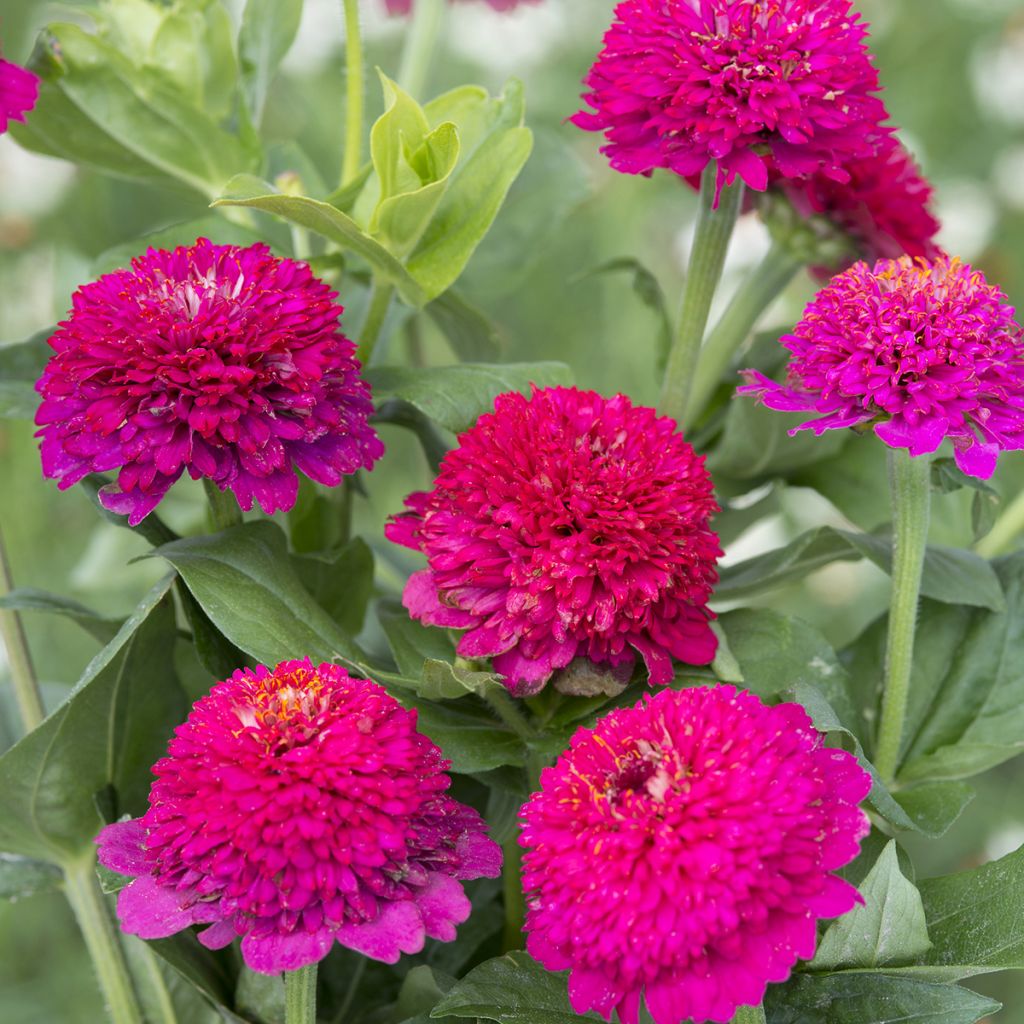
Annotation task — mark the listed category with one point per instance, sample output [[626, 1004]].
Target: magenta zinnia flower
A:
[[298, 808], [19, 90], [920, 350], [785, 87], [683, 850], [567, 526], [885, 208], [225, 362]]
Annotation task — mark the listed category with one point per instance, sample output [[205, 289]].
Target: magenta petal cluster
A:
[[19, 90], [224, 362], [885, 207], [684, 849], [920, 350], [298, 808], [785, 88], [567, 526]]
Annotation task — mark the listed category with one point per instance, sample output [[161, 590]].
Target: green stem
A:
[[86, 899], [23, 674], [224, 510], [749, 1015], [420, 45], [710, 244], [910, 487], [380, 303], [300, 996], [515, 901], [752, 299], [1007, 529], [354, 93], [507, 710]]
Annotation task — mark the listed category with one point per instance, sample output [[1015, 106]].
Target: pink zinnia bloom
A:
[[920, 350], [786, 87], [567, 526], [298, 808], [225, 362], [19, 90], [885, 208], [404, 6], [683, 851]]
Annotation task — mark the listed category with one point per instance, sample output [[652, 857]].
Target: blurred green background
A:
[[954, 76]]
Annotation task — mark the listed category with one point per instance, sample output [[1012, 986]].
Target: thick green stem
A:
[[300, 996], [86, 899], [910, 487], [1007, 529], [710, 244], [507, 710], [224, 510], [749, 1015], [752, 299], [420, 45], [354, 94], [23, 675], [380, 303]]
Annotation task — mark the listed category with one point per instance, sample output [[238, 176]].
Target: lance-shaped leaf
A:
[[269, 28]]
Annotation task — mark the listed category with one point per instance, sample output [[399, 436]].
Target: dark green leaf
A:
[[165, 994], [455, 397], [113, 726], [245, 582], [25, 599], [470, 738], [21, 877], [269, 28], [210, 973], [935, 806], [888, 928], [21, 365], [218, 655], [261, 996], [511, 989], [471, 335], [340, 581]]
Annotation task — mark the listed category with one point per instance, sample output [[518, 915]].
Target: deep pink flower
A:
[[920, 350], [785, 86], [885, 208], [225, 362], [567, 526], [19, 90], [683, 850], [298, 808], [404, 6]]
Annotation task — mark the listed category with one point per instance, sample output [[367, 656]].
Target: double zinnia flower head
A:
[[568, 528], [295, 809], [224, 362]]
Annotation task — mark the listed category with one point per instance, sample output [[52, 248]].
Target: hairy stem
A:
[[749, 1015], [223, 506], [23, 674], [354, 93], [380, 302], [765, 284], [300, 995], [515, 901], [87, 902], [910, 487], [710, 244], [506, 708], [420, 45]]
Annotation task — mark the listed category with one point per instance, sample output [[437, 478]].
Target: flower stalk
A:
[[749, 1015], [711, 242], [420, 45], [223, 507], [300, 995], [354, 93], [23, 674], [752, 299], [380, 302], [910, 488]]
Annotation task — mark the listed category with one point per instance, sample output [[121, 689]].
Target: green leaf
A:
[[471, 334], [511, 989], [474, 195], [113, 726], [455, 397], [215, 652], [402, 128], [245, 582], [872, 999], [951, 575], [261, 996], [165, 994], [329, 222], [935, 806], [28, 599], [966, 710], [206, 971], [269, 28], [888, 928], [21, 365], [21, 877], [470, 738], [412, 643], [340, 581]]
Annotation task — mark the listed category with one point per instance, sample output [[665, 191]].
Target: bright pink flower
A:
[[920, 350], [885, 208], [225, 362], [683, 850], [298, 808], [786, 87], [567, 526], [19, 90], [404, 6]]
